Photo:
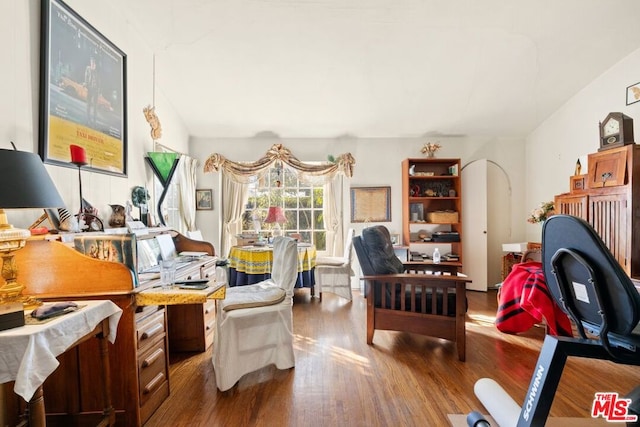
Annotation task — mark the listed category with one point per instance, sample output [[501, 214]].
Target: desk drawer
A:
[[209, 322], [151, 329], [152, 370], [208, 270], [153, 379]]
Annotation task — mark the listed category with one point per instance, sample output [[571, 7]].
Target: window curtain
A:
[[186, 171], [242, 172], [332, 212], [234, 198]]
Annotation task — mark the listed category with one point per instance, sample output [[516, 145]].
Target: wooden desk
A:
[[252, 264], [36, 346], [53, 271]]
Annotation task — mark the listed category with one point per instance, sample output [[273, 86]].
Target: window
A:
[[302, 203], [170, 203]]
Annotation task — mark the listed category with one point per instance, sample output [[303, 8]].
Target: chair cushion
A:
[[258, 295], [377, 242], [330, 260]]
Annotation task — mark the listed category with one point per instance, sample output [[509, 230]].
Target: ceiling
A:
[[378, 68]]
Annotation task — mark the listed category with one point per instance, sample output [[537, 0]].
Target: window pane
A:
[[304, 198], [318, 220], [290, 198], [320, 240], [317, 197], [305, 219]]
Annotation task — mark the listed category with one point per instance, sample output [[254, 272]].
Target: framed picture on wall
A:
[[204, 200], [82, 92], [371, 204], [633, 93]]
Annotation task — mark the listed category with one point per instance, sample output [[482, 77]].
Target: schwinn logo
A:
[[612, 408], [534, 392]]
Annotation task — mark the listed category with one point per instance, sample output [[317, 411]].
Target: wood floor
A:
[[402, 380]]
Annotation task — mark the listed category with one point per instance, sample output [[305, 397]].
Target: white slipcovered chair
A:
[[333, 274], [254, 323]]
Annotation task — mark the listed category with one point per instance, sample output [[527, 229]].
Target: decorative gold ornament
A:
[[430, 149], [154, 122]]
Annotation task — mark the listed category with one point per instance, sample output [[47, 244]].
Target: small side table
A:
[[37, 347]]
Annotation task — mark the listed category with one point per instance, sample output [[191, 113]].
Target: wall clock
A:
[[616, 130]]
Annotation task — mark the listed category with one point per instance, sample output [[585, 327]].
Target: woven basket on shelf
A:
[[442, 216]]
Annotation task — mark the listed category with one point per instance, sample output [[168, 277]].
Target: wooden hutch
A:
[[608, 197], [53, 271]]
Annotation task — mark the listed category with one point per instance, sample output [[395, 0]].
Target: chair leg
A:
[[460, 345], [369, 335]]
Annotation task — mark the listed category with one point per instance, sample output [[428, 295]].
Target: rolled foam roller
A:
[[498, 403]]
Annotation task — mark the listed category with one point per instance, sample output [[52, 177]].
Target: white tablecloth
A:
[[28, 353]]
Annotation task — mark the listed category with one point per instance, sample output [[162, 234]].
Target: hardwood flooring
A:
[[401, 380]]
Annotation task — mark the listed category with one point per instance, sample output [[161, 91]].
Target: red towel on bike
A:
[[525, 300]]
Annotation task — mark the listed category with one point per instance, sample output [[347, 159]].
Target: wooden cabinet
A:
[[432, 210], [191, 325], [611, 203]]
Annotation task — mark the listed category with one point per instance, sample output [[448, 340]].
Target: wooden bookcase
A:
[[432, 210]]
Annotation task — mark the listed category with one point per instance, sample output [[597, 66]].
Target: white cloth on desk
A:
[[28, 353]]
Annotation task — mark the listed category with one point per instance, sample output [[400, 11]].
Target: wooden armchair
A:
[[398, 301]]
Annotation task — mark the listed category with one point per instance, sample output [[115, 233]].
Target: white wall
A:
[[377, 160], [19, 84], [378, 163], [572, 131]]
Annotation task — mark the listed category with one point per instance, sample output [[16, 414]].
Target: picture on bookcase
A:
[[416, 212], [115, 248]]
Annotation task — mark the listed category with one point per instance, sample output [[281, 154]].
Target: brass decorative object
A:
[[430, 149], [154, 122]]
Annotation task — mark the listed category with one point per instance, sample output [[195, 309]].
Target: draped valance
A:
[[243, 171]]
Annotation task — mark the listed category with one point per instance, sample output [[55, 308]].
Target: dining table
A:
[[252, 264]]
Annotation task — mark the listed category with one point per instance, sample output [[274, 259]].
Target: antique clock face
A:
[[611, 127], [616, 130]]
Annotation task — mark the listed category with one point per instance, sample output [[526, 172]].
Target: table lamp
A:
[[26, 185], [276, 215]]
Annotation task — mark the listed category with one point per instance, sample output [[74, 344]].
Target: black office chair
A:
[[592, 288]]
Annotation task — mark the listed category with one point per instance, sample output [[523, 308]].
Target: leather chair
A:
[[433, 305]]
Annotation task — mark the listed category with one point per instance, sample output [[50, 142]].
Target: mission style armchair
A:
[[432, 305]]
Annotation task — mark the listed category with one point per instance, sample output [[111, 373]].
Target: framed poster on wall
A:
[[82, 92]]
